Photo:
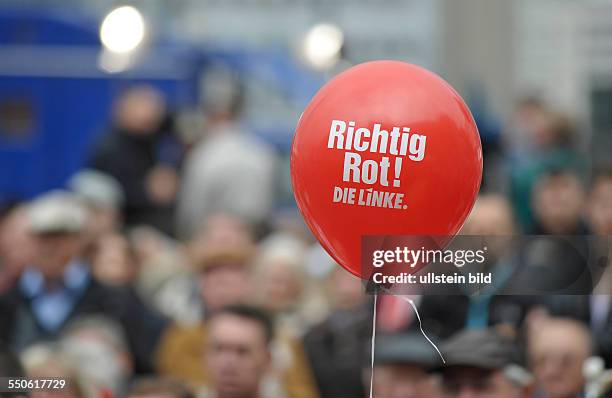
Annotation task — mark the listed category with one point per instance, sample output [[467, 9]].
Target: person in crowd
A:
[[592, 311], [402, 368], [225, 240], [159, 387], [164, 279], [143, 154], [490, 216], [558, 204], [335, 347], [557, 349], [225, 278], [539, 139], [284, 292], [238, 353], [557, 261], [595, 310], [530, 126], [229, 170], [483, 364], [599, 214], [97, 346], [446, 312], [58, 287], [283, 286], [16, 246]]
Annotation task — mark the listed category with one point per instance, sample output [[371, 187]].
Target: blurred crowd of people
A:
[[165, 269]]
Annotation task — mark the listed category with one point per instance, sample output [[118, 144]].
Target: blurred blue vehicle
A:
[[55, 97]]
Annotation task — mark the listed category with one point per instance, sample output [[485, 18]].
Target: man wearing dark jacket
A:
[[142, 154], [58, 287]]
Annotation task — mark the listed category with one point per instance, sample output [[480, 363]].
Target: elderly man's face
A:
[[557, 354], [237, 355], [469, 382], [55, 251], [403, 381]]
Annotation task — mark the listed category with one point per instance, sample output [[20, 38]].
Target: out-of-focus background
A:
[[149, 240]]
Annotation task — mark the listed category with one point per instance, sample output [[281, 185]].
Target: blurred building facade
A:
[[492, 51], [559, 50]]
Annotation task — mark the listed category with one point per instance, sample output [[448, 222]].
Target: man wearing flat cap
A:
[[58, 287], [402, 368], [483, 364]]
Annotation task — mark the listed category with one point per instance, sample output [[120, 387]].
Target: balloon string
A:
[[421, 327], [416, 311], [373, 344]]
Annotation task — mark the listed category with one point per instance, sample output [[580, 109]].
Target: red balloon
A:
[[384, 148]]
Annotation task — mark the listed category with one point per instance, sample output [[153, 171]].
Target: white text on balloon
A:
[[398, 142]]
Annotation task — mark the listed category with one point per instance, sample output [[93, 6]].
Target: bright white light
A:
[[122, 30], [322, 45]]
